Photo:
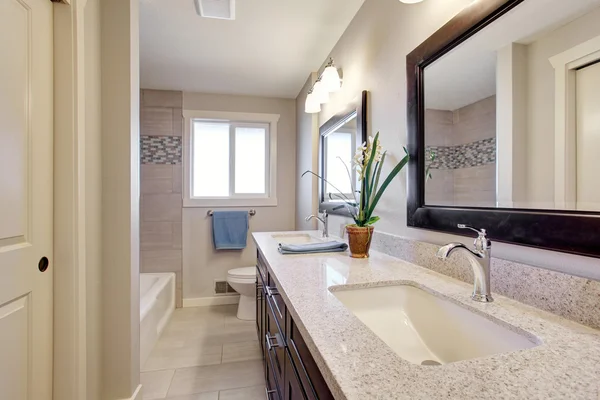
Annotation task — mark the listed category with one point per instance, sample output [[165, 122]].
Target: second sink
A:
[[425, 329]]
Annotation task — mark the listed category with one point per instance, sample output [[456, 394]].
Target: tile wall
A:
[[161, 131], [464, 143]]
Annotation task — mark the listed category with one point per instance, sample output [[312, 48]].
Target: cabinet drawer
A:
[[309, 375], [276, 302], [274, 343], [261, 266], [272, 386]]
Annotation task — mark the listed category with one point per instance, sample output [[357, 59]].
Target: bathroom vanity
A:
[[336, 327], [290, 370]]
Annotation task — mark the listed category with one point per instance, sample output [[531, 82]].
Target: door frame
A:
[[70, 344]]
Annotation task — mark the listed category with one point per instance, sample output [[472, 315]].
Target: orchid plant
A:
[[368, 161]]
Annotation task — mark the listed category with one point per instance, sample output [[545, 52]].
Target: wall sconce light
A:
[[312, 104], [328, 82]]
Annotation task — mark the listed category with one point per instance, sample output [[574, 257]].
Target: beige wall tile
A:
[[161, 207], [156, 241], [162, 98], [156, 384], [177, 235], [154, 186], [217, 377], [156, 121], [156, 171], [177, 122], [160, 260], [251, 393], [177, 178], [156, 227]]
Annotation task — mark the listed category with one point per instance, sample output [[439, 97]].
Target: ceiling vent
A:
[[220, 9]]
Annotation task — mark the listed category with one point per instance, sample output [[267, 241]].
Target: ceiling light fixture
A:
[[410, 1], [328, 82]]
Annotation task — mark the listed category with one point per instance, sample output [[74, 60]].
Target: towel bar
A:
[[251, 212]]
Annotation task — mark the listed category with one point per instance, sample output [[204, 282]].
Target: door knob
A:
[[43, 264]]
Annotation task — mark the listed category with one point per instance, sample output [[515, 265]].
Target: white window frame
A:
[[268, 121]]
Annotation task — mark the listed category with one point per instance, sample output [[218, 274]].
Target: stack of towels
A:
[[310, 248]]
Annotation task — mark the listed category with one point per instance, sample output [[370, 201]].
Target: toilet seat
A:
[[248, 273]]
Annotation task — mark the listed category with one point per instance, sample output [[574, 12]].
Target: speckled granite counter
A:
[[358, 365]]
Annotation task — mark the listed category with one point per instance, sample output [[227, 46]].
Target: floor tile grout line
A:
[[170, 383]]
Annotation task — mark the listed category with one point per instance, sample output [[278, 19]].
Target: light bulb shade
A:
[[312, 106], [320, 93], [331, 79]]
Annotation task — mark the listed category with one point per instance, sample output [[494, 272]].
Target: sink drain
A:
[[430, 362]]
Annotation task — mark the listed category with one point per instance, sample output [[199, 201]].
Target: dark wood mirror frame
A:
[[574, 232], [359, 108]]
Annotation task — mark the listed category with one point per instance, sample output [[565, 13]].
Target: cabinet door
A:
[[292, 387], [260, 308]]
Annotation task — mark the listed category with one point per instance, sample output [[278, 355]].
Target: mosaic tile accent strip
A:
[[468, 155], [161, 150]]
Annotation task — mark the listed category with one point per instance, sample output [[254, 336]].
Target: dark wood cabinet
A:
[[290, 370]]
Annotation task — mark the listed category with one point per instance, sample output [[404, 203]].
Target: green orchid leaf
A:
[[386, 183]]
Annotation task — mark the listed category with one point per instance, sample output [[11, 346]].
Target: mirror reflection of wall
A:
[[339, 146], [513, 114]]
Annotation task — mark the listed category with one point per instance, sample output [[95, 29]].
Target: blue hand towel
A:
[[310, 248], [230, 229]]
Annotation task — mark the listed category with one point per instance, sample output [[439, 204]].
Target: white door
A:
[[26, 131], [588, 138]]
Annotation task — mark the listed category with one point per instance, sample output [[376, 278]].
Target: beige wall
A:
[[161, 201], [540, 143], [307, 145], [372, 53], [120, 198], [93, 194], [202, 265]]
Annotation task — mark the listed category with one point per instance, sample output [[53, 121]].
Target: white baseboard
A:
[[211, 301], [137, 395]]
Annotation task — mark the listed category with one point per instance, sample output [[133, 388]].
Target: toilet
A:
[[243, 280]]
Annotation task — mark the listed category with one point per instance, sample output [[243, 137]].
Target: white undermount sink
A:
[[425, 329], [296, 238]]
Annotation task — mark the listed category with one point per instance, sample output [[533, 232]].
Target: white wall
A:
[[202, 265], [120, 198], [372, 53], [307, 145]]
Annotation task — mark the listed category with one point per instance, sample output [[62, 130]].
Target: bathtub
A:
[[157, 303]]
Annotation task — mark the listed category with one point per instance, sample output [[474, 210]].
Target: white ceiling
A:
[[269, 50], [468, 73]]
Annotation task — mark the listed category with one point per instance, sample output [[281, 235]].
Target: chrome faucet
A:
[[479, 260], [324, 218]]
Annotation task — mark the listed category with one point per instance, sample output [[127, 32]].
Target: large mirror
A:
[[339, 138], [508, 118]]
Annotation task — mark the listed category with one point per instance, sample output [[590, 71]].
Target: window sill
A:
[[201, 203]]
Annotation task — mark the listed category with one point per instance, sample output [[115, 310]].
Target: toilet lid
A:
[[245, 272]]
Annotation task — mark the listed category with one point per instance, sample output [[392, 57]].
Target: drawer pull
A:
[[269, 393], [271, 345], [271, 291]]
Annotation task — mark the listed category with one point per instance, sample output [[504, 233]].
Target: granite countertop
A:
[[357, 364]]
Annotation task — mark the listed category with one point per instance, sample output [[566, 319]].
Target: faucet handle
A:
[[481, 232], [482, 242]]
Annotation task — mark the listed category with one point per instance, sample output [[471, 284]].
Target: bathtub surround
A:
[[571, 297], [161, 177], [202, 264]]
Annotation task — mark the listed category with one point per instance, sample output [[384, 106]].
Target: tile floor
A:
[[205, 353]]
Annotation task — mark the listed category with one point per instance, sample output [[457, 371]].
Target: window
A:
[[230, 159]]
